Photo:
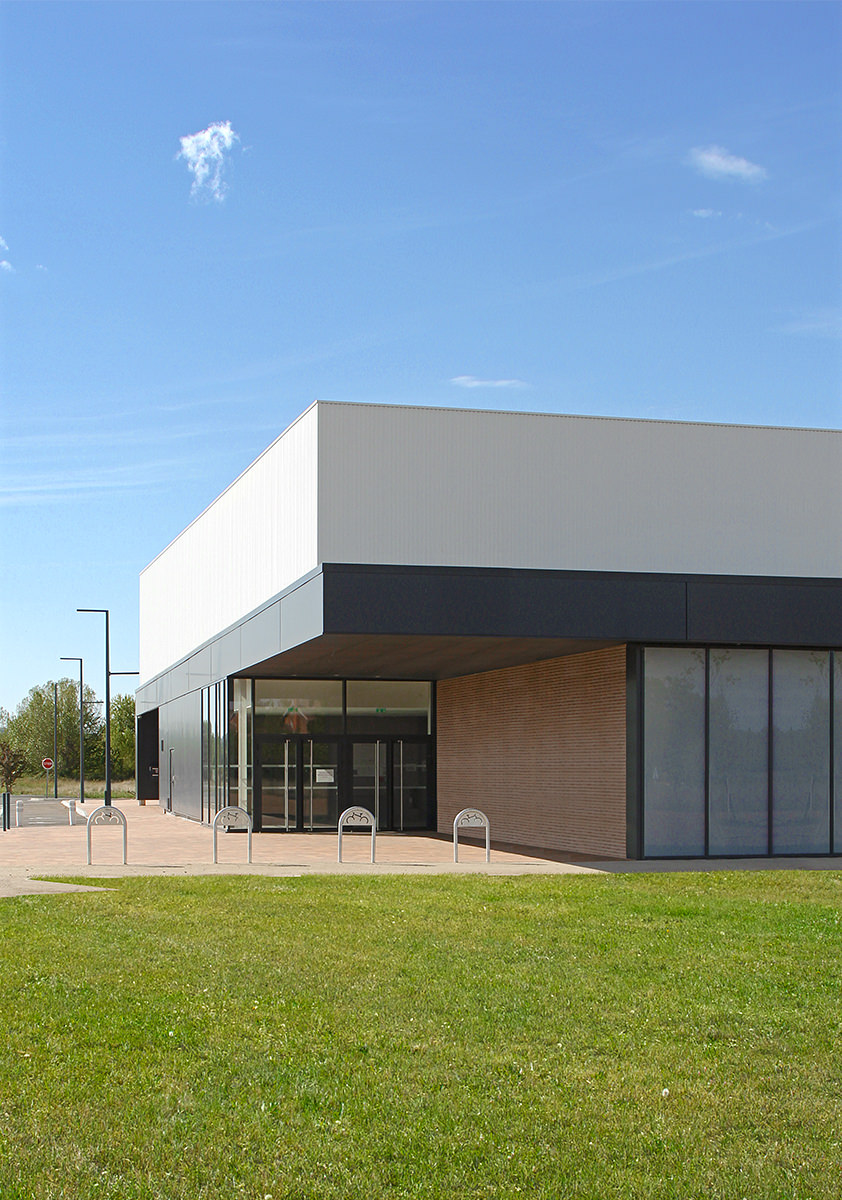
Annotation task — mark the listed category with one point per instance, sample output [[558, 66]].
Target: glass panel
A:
[[278, 784], [388, 706], [837, 751], [409, 804], [369, 779], [239, 743], [321, 785], [674, 751], [306, 706], [800, 752], [739, 733]]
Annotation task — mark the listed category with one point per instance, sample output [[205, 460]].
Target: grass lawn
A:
[[33, 785], [566, 1036]]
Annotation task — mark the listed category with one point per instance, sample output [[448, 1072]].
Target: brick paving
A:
[[160, 843]]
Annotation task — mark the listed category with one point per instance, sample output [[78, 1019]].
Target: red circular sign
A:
[[47, 764]]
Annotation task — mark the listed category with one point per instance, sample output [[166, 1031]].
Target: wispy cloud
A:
[[40, 267], [821, 322], [204, 153], [5, 265], [52, 487], [718, 163], [471, 381], [3, 244], [706, 213]]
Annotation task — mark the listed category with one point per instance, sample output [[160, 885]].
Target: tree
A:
[[12, 765], [122, 737], [30, 729]]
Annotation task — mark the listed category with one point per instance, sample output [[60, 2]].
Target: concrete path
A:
[[162, 844]]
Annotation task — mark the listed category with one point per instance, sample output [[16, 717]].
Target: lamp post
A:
[[81, 726], [108, 674], [55, 741]]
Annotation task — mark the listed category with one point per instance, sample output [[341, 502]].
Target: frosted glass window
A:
[[739, 748], [800, 752], [837, 751], [674, 752]]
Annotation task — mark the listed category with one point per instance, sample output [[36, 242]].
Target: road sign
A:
[[47, 764]]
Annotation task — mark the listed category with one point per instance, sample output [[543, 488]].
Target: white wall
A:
[[445, 487], [257, 538], [463, 488]]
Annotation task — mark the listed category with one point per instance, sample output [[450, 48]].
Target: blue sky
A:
[[619, 209]]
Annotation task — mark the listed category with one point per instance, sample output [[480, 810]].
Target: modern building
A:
[[616, 637]]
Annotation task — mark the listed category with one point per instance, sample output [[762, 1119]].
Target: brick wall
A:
[[541, 749]]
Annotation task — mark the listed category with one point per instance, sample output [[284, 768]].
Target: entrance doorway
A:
[[304, 783]]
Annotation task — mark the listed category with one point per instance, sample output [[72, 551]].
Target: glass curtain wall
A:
[[240, 767], [742, 751], [800, 752], [214, 750], [674, 751], [738, 780], [310, 745]]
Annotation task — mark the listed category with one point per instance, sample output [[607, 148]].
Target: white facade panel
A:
[[253, 541], [426, 486]]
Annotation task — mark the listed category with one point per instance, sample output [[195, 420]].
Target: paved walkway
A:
[[162, 844]]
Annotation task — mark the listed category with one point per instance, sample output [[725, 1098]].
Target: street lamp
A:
[[81, 726], [55, 740], [108, 674]]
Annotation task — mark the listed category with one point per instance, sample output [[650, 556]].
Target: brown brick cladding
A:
[[541, 749]]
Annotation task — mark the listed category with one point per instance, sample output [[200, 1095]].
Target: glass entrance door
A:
[[305, 783], [370, 780], [410, 801], [320, 774], [277, 777]]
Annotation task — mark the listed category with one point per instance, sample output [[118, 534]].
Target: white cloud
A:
[[706, 213], [471, 381], [718, 163], [204, 153], [40, 267], [3, 244], [5, 265]]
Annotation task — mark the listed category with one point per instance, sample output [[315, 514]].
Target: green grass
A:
[[33, 785], [424, 1037]]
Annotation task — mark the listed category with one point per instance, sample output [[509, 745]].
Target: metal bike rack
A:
[[107, 814], [232, 817], [471, 818], [359, 817]]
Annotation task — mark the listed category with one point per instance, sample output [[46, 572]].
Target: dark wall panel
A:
[[765, 612], [474, 603]]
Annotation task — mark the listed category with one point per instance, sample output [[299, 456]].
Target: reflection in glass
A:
[[800, 752], [239, 744], [739, 733], [674, 751], [388, 706], [837, 751], [301, 706]]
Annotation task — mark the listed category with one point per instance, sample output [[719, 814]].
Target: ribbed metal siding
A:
[[258, 537], [452, 487]]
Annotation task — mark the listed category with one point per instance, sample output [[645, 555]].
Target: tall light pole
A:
[[108, 674], [55, 740], [81, 726]]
